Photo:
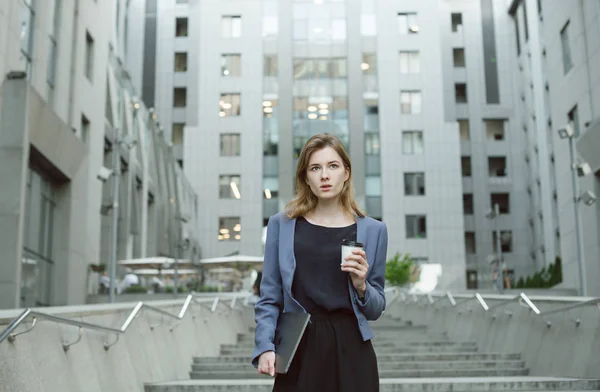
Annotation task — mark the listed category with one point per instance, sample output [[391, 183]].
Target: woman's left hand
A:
[[356, 264]]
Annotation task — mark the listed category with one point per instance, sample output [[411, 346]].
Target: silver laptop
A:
[[288, 334]]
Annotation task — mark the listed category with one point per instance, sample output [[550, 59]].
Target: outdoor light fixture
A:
[[588, 198], [104, 174], [584, 169], [567, 132]]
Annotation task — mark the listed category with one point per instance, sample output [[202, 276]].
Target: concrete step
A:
[[378, 349], [462, 384], [384, 334], [388, 365], [382, 358], [413, 373], [381, 343]]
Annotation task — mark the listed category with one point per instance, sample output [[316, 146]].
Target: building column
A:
[[14, 155]]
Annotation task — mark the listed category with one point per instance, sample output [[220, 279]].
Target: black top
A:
[[319, 284]]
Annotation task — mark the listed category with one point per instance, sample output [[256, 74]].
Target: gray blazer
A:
[[278, 275]]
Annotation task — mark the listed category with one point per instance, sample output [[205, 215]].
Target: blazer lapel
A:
[[288, 259]]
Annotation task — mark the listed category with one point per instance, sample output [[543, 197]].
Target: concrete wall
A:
[[563, 350], [37, 362]]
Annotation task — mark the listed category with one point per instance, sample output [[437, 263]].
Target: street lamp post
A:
[[116, 150], [570, 134], [494, 213]]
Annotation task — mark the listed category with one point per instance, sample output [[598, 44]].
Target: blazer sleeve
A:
[[270, 304], [373, 305]]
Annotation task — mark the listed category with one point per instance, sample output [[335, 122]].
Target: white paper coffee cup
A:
[[348, 247]]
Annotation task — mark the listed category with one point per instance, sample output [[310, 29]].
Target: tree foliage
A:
[[398, 269]]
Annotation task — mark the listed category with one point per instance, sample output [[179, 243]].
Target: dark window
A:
[[466, 166], [460, 90], [468, 203], [416, 226], [181, 27], [456, 22], [414, 184], [458, 55], [503, 201]]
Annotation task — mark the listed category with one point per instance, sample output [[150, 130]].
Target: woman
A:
[[302, 273]]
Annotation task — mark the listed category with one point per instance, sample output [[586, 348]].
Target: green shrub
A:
[[136, 289], [398, 270], [182, 289], [545, 278]]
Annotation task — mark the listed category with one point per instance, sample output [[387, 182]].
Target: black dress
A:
[[332, 356]]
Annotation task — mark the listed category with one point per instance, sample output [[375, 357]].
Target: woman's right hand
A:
[[266, 363]]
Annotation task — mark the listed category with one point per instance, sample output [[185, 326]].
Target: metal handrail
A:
[[8, 332], [523, 300], [574, 306]]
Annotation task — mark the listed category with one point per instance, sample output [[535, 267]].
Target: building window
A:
[[458, 55], [181, 59], [177, 133], [332, 68], [463, 127], [410, 62], [270, 27], [270, 126], [231, 65], [468, 204], [37, 261], [465, 163], [373, 185], [231, 26], [414, 184], [181, 27], [574, 119], [497, 167], [503, 201], [27, 25], [416, 226], [371, 120], [566, 49], [230, 229], [369, 64], [270, 65], [271, 187], [470, 247], [372, 145], [85, 129], [368, 25], [179, 97], [505, 241], [230, 145], [229, 187], [230, 105], [410, 102], [407, 23], [460, 92], [89, 56], [494, 129], [457, 23], [412, 142]]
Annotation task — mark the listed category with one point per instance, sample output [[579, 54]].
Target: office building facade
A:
[[556, 62], [64, 91]]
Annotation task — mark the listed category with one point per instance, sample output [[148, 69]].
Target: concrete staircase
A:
[[410, 360]]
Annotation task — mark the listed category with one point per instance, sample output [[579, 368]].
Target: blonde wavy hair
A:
[[305, 200]]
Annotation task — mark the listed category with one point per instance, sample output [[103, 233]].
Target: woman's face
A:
[[326, 173]]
